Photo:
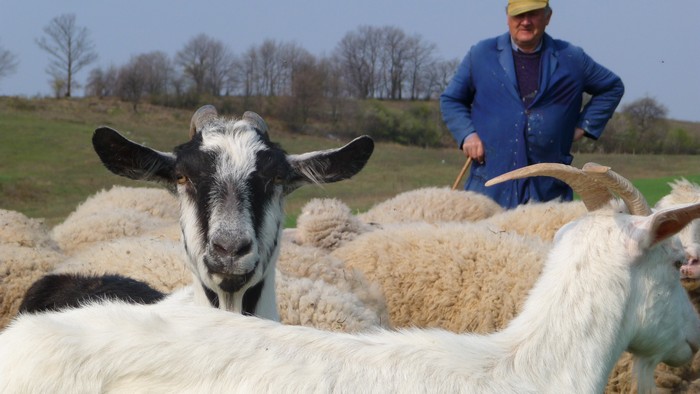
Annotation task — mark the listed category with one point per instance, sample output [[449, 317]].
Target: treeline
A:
[[284, 80], [642, 127], [377, 80]]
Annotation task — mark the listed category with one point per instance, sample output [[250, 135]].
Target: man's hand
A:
[[474, 148]]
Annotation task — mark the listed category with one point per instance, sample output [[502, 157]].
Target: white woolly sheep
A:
[[118, 212], [26, 253], [328, 223], [441, 275], [604, 273], [432, 204]]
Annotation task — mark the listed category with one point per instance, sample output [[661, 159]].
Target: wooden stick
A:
[[461, 173]]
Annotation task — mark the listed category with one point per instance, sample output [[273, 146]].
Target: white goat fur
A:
[[609, 283]]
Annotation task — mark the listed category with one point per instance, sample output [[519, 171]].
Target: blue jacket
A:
[[483, 97]]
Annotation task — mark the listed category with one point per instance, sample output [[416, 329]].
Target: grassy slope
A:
[[47, 165]]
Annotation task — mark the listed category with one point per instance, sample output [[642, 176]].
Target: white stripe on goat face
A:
[[231, 231]]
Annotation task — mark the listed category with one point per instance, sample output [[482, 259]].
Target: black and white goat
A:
[[231, 181]]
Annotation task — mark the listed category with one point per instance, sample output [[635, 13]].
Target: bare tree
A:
[[102, 83], [158, 72], [420, 60], [307, 86], [245, 71], [438, 75], [131, 82], [644, 113], [359, 55], [70, 49], [8, 63], [206, 62], [394, 56]]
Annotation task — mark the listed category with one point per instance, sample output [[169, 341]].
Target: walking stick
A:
[[461, 173]]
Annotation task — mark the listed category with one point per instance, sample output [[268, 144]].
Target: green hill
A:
[[47, 165]]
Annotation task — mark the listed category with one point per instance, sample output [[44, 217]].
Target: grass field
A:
[[47, 165]]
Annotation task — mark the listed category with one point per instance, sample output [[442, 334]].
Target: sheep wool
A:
[[453, 268], [316, 303], [315, 264], [18, 229], [537, 219], [327, 223], [118, 212], [432, 205], [26, 254], [20, 267], [160, 262]]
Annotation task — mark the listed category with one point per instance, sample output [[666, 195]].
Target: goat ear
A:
[[668, 222], [332, 165], [131, 160]]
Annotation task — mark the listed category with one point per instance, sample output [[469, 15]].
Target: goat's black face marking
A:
[[230, 203], [231, 182]]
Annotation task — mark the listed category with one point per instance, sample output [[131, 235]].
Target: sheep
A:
[[118, 212], [326, 223], [447, 267], [231, 180], [610, 283], [329, 224], [20, 230], [26, 253], [20, 267], [308, 263], [432, 204]]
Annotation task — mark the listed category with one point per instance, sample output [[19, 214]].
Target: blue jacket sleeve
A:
[[456, 101], [606, 90]]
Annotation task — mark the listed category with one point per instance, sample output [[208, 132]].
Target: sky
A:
[[654, 46]]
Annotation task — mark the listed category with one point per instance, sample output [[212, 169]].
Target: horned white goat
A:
[[610, 283], [231, 181]]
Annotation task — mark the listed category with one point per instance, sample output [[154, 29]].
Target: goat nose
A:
[[225, 246]]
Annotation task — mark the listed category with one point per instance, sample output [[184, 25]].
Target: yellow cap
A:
[[517, 7]]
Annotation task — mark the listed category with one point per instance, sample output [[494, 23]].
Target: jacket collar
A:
[[549, 62]]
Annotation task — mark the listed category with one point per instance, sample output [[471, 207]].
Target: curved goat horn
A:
[[203, 115], [620, 185], [593, 194], [257, 122]]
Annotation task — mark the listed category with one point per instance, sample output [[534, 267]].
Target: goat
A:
[[231, 181], [610, 283]]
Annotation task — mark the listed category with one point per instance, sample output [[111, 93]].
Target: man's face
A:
[[527, 29]]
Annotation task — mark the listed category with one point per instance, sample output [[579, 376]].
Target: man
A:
[[516, 100]]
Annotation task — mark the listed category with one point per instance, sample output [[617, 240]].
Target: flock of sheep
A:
[[391, 291]]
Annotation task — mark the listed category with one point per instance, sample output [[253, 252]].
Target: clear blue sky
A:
[[653, 45]]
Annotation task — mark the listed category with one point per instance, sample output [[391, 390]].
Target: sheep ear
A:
[[131, 160], [331, 165], [668, 222]]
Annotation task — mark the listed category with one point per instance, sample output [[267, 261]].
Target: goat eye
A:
[[278, 180], [181, 179]]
